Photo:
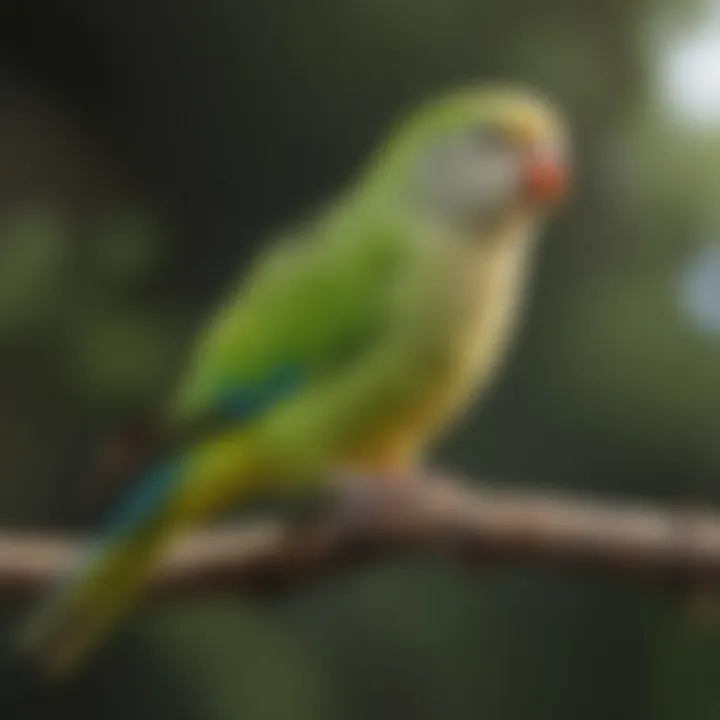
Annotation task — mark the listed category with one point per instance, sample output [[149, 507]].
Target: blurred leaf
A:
[[685, 680], [121, 358], [126, 246], [33, 248], [236, 663]]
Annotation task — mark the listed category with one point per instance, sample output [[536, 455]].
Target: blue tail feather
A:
[[144, 501], [73, 617]]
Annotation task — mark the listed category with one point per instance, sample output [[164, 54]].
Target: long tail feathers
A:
[[75, 617]]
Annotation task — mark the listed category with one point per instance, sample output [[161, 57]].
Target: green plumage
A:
[[347, 343]]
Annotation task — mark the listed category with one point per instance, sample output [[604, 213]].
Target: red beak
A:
[[546, 177]]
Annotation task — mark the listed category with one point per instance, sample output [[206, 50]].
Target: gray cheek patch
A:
[[464, 180], [493, 180]]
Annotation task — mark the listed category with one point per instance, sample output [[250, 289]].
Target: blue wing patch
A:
[[239, 403]]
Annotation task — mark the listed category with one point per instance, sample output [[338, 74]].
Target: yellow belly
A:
[[477, 337]]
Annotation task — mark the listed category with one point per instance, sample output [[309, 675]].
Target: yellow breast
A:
[[481, 316], [490, 294]]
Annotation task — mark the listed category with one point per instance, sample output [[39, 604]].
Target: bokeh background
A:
[[146, 149]]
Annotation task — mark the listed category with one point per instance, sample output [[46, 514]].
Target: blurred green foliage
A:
[[148, 148]]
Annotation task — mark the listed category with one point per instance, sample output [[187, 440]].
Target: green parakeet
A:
[[350, 344]]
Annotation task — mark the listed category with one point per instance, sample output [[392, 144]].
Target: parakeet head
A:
[[476, 156]]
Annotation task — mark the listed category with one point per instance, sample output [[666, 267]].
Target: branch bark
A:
[[472, 525]]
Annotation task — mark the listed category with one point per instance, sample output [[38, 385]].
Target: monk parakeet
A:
[[350, 344]]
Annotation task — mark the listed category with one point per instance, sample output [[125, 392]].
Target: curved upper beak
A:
[[546, 175]]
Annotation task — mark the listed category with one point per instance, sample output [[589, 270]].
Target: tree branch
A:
[[469, 524]]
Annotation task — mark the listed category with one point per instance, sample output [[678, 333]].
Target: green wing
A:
[[305, 308]]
